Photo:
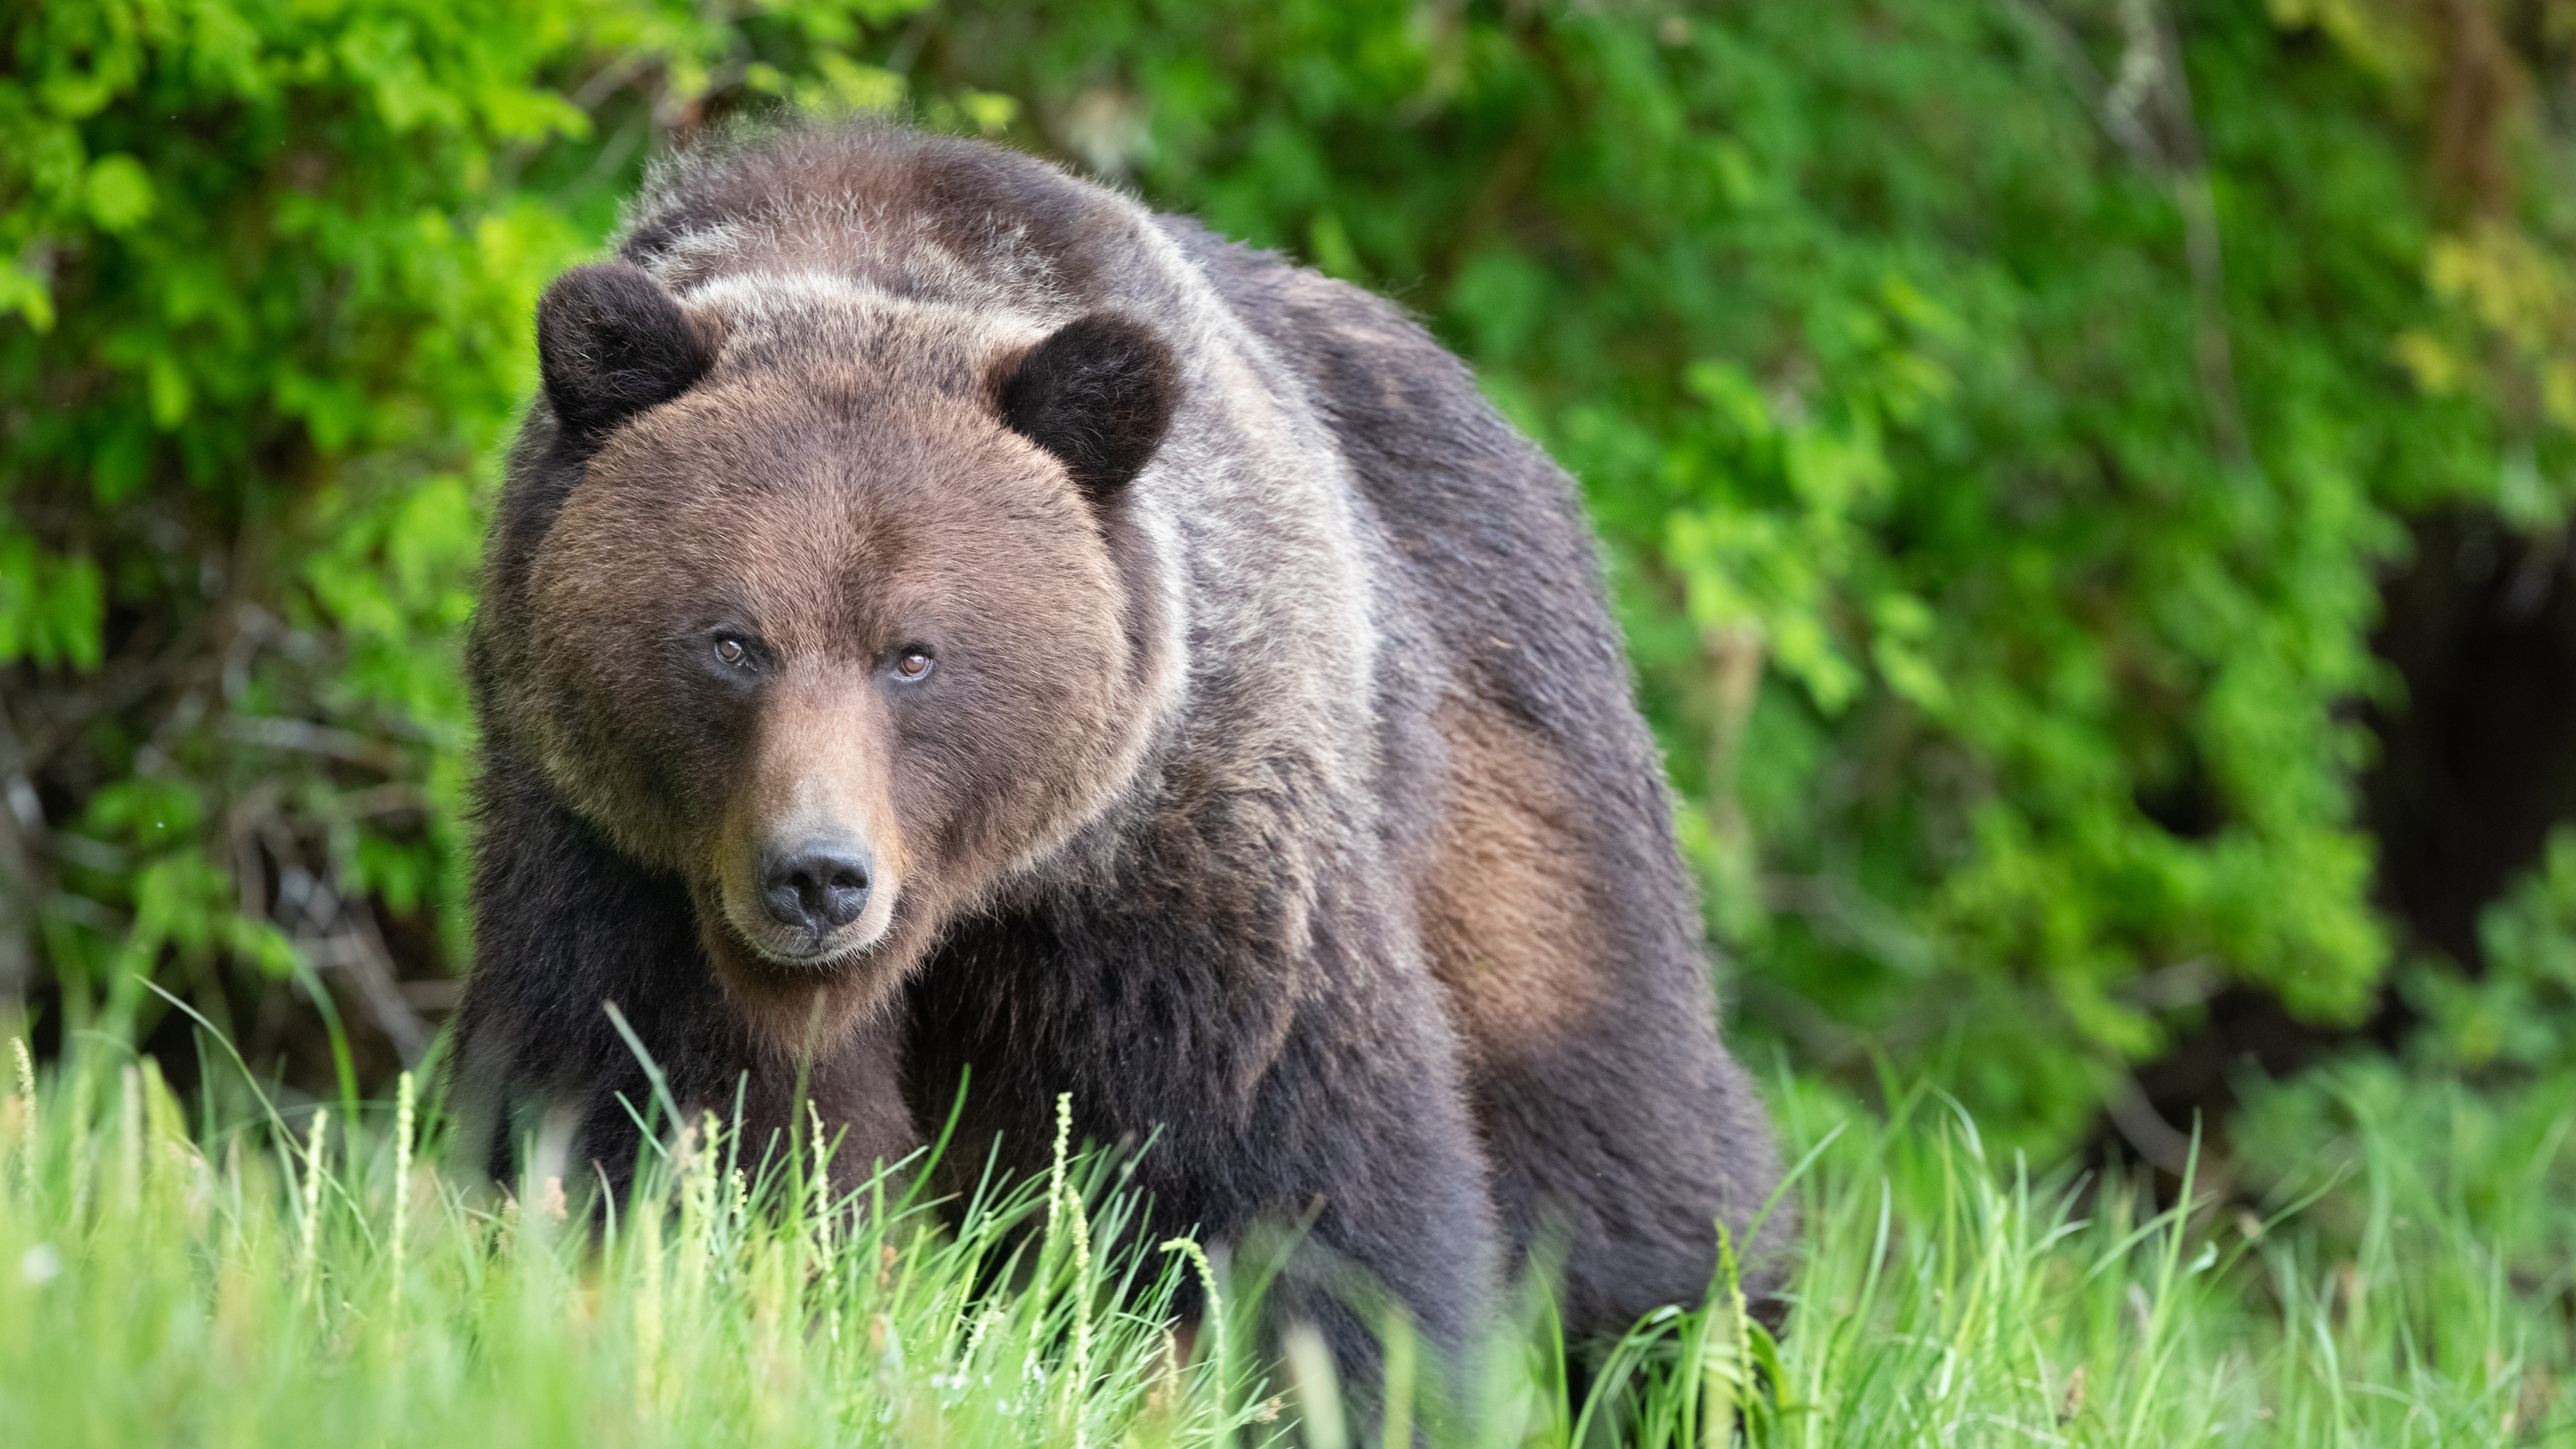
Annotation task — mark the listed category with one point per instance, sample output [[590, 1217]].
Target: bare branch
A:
[[2160, 1142], [306, 737], [22, 828]]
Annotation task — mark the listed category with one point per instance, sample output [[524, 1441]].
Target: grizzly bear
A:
[[947, 622]]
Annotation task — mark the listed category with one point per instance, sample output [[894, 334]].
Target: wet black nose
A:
[[819, 886]]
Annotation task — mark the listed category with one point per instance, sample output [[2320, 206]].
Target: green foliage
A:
[[248, 1277], [268, 304], [1997, 413], [2510, 1030], [2519, 1016]]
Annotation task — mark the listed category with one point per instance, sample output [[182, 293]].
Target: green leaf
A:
[[119, 194]]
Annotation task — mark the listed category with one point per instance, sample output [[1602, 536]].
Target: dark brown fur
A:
[[1283, 801]]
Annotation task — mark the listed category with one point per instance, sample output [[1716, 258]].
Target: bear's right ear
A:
[[611, 343]]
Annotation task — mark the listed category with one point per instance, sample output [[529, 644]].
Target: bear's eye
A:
[[912, 662], [731, 651]]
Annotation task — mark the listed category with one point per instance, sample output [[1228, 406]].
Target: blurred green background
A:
[[2085, 481]]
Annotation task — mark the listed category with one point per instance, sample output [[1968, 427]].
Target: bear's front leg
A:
[[1317, 1102], [563, 925], [1362, 1128]]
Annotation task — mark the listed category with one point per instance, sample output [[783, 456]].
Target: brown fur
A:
[[1277, 795], [1510, 912]]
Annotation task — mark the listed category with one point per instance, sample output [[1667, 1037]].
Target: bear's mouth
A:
[[809, 950], [820, 951]]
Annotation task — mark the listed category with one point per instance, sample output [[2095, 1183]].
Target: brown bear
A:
[[945, 616]]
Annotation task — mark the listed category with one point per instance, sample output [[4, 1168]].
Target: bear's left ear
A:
[[1099, 395]]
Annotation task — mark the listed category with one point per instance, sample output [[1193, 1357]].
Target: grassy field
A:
[[273, 1278]]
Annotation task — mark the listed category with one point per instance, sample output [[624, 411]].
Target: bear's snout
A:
[[816, 886], [810, 858]]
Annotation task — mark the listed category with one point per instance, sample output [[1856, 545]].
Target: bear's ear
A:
[[611, 343], [1098, 394]]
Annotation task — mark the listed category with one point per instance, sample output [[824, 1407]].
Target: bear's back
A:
[[1552, 900], [922, 217]]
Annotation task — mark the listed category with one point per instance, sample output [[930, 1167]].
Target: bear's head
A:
[[843, 617]]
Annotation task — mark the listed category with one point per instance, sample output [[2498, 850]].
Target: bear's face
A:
[[836, 632]]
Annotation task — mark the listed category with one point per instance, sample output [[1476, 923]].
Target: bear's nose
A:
[[820, 886]]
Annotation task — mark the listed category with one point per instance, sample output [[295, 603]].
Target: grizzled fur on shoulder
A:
[[943, 616]]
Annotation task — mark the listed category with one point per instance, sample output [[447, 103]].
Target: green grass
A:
[[263, 1279]]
